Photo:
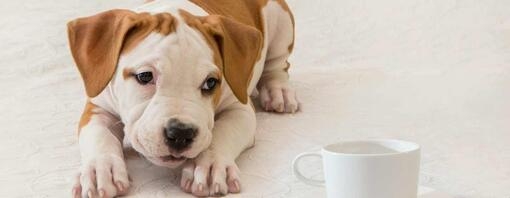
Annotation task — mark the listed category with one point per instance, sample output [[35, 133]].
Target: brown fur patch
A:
[[194, 22], [97, 41], [162, 23], [86, 115], [248, 12], [126, 73], [217, 96]]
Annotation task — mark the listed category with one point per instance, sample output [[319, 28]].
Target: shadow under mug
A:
[[382, 168]]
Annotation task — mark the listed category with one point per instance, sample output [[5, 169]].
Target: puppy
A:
[[173, 78]]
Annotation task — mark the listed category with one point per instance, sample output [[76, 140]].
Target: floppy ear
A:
[[95, 44], [97, 41], [239, 47]]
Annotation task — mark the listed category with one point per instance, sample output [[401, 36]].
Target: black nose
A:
[[179, 135]]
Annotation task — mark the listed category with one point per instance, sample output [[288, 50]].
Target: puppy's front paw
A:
[[102, 176], [278, 96], [210, 175]]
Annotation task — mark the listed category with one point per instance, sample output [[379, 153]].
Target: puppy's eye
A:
[[144, 78], [209, 84]]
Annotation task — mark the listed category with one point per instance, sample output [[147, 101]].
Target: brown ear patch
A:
[[97, 41], [237, 46]]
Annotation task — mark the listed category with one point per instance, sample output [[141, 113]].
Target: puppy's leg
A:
[[103, 171], [275, 93], [214, 172]]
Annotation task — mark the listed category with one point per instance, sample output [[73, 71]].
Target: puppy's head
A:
[[164, 74]]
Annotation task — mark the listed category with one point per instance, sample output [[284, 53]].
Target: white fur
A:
[[275, 94], [180, 62], [103, 167]]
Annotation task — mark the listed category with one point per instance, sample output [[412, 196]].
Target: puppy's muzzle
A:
[[179, 135]]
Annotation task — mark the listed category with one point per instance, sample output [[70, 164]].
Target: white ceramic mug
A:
[[367, 169]]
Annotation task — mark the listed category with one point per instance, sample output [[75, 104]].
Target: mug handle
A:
[[295, 164]]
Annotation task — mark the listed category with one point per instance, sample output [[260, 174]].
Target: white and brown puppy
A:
[[173, 78]]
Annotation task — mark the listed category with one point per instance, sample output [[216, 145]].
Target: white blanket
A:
[[433, 72]]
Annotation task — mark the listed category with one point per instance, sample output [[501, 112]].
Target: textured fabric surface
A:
[[433, 72]]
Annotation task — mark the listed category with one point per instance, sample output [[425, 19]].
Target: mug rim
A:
[[412, 147]]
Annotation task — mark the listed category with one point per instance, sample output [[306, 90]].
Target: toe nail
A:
[[89, 193], [217, 188], [200, 187], [236, 184], [187, 186], [184, 184], [75, 192], [101, 193], [120, 186]]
